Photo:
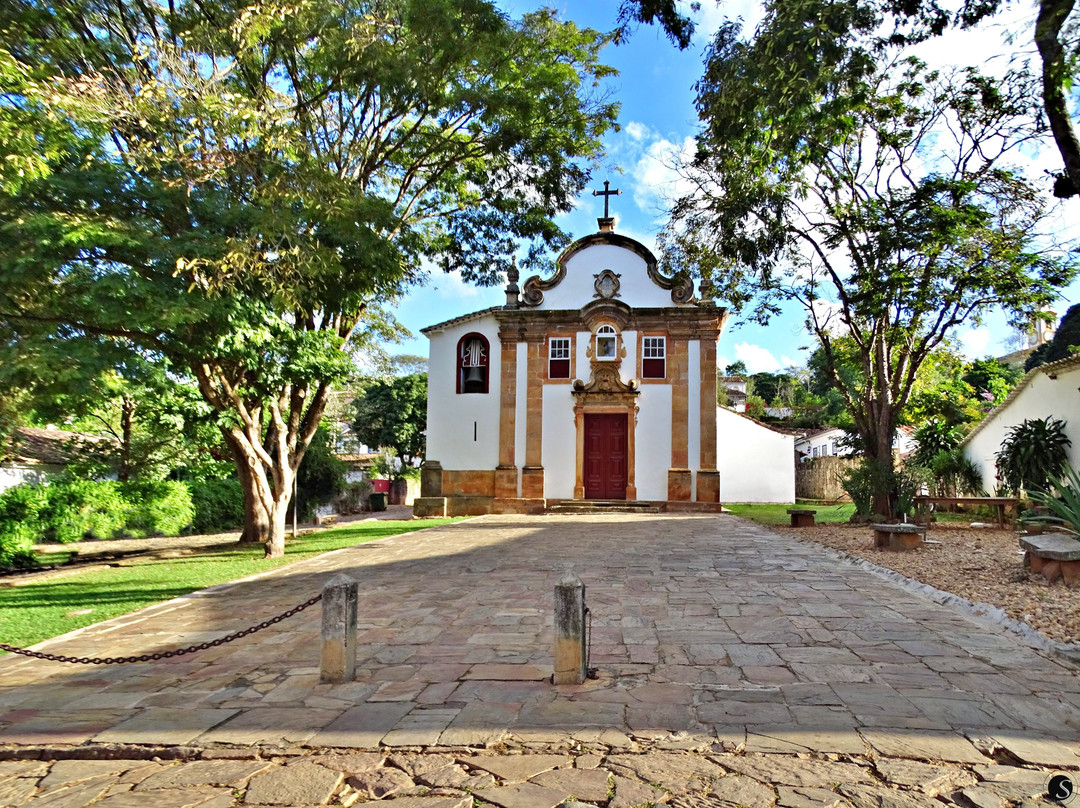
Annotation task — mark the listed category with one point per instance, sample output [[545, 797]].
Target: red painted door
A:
[[605, 456]]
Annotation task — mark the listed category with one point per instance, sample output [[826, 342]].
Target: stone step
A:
[[602, 506]]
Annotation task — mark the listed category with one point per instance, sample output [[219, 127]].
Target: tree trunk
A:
[[127, 417], [882, 456], [256, 514], [275, 544], [1055, 76]]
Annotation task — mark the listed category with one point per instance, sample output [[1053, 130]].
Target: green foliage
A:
[[665, 13], [819, 179], [392, 413], [933, 437], [1062, 499], [163, 508], [955, 475], [249, 224], [80, 508], [20, 525], [992, 376], [70, 509], [860, 484], [218, 504], [1033, 452], [1066, 341], [321, 476], [755, 406]]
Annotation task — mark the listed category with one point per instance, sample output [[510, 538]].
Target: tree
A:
[[238, 189], [880, 200], [737, 368], [665, 13], [392, 413]]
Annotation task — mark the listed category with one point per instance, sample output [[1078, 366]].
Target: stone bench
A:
[[801, 517], [898, 537], [1054, 555], [326, 518]]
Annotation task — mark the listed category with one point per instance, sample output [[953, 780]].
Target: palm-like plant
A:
[[1065, 507], [1033, 452]]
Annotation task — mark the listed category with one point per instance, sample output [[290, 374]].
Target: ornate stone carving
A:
[[606, 380], [607, 284]]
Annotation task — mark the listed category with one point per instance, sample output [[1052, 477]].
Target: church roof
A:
[[465, 318]]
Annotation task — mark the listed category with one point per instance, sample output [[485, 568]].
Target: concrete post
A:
[[338, 662], [570, 652]]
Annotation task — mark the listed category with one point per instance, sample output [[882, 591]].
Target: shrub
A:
[[219, 505], [859, 485], [1034, 451], [80, 508], [1064, 508], [158, 508], [20, 525]]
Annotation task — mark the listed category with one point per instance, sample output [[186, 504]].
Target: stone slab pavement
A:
[[709, 632]]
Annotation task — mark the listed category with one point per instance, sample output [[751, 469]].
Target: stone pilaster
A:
[[532, 473], [680, 479]]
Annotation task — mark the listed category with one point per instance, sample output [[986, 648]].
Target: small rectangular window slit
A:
[[474, 431]]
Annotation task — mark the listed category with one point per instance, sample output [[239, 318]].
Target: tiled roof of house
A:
[[52, 446], [475, 315]]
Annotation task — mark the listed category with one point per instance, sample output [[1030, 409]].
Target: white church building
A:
[[598, 383]]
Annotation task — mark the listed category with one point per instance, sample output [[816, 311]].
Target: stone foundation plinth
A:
[[801, 517], [679, 485]]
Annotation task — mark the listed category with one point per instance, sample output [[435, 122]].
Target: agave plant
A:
[[1033, 452], [1064, 508]]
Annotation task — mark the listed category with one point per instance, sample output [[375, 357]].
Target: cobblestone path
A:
[[708, 626]]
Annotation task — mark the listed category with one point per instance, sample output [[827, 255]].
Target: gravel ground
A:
[[979, 564]]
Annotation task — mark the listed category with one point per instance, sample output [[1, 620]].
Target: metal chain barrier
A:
[[590, 673], [191, 649]]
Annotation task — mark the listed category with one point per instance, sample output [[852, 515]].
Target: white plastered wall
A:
[[1041, 397], [451, 416], [559, 442], [652, 442], [755, 463], [576, 289]]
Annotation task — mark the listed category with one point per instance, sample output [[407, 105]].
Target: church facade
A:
[[598, 383]]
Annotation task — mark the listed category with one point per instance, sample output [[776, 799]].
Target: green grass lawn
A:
[[778, 515], [31, 613]]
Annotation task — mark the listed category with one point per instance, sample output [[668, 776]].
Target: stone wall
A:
[[819, 477]]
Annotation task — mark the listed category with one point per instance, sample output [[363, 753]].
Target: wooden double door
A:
[[606, 456]]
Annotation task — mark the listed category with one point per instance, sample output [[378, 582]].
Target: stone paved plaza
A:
[[710, 633]]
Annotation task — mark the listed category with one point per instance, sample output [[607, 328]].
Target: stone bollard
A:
[[570, 654], [338, 663]]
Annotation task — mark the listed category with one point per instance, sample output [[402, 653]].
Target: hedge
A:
[[72, 509]]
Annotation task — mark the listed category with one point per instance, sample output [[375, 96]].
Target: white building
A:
[[830, 441], [1051, 390], [598, 383]]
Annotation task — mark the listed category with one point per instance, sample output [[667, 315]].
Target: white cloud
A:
[[975, 342], [788, 362], [656, 178], [638, 131], [452, 286], [713, 13], [757, 359]]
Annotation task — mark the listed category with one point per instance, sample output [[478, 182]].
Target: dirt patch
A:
[[980, 564]]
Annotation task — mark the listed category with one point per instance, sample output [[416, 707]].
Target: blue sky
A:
[[656, 91]]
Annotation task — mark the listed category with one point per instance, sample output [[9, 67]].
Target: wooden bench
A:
[[922, 504], [1055, 555], [801, 517], [326, 518], [898, 537]]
